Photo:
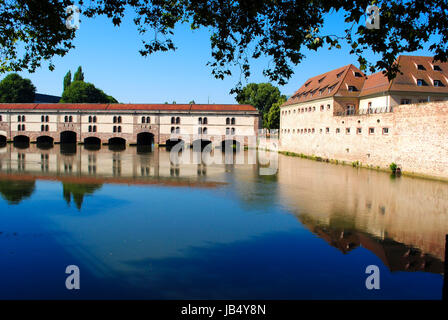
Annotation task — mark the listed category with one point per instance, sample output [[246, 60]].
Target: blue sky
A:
[[110, 59]]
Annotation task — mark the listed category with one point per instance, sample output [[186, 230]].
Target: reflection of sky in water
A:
[[173, 242], [234, 240]]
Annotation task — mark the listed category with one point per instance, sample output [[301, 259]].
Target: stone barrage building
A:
[[348, 116], [127, 123]]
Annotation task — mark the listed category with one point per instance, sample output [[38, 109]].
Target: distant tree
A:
[[67, 80], [272, 118], [260, 95], [14, 88], [84, 92], [174, 102], [79, 75], [192, 102]]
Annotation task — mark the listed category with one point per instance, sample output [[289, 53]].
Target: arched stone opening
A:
[[68, 137], [21, 142]]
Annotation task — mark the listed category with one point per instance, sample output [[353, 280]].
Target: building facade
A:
[[126, 123], [345, 115]]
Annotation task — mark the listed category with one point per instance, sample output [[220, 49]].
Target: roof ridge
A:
[[342, 80]]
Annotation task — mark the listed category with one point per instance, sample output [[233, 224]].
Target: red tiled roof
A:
[[318, 87], [222, 107], [70, 106], [18, 105], [119, 106], [377, 82]]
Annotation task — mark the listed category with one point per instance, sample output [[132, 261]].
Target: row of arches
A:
[[70, 137]]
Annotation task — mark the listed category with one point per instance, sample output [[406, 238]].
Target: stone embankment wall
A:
[[413, 136]]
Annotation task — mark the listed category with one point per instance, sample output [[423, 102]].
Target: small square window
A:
[[385, 130], [338, 130], [371, 130], [359, 130], [438, 83], [437, 68], [327, 130], [347, 130]]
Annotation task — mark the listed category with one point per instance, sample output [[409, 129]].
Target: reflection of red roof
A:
[[114, 180], [120, 106]]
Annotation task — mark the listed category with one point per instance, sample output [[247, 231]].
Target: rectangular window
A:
[[421, 67], [347, 130], [338, 130], [405, 101], [437, 68], [385, 130], [327, 130], [359, 130], [371, 130], [352, 89]]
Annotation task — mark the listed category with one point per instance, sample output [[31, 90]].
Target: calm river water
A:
[[138, 226]]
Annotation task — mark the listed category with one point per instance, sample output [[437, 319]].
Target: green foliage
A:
[[67, 80], [192, 102], [261, 95], [15, 191], [79, 75], [272, 118], [14, 88], [84, 92], [33, 31], [78, 191], [393, 166], [240, 31]]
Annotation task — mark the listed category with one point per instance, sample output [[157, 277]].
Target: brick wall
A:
[[417, 139]]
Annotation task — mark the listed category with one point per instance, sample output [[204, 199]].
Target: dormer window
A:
[[421, 82], [307, 84], [339, 74], [420, 67], [437, 68], [352, 88], [358, 75], [331, 88], [438, 83], [321, 79]]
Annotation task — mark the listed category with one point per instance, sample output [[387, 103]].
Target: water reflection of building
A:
[[395, 255], [83, 170], [403, 221]]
